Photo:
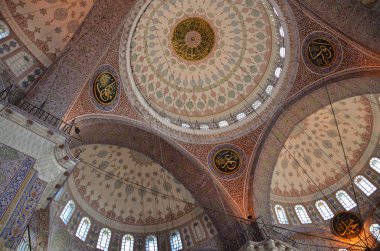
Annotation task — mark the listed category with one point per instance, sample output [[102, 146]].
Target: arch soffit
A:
[[120, 131], [340, 86]]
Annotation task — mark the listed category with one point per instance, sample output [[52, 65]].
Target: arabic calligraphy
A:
[[227, 161], [105, 88], [193, 39], [321, 52], [347, 225]]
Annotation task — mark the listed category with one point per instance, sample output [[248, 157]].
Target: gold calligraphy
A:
[[105, 88], [227, 161], [347, 225], [193, 39], [321, 52]]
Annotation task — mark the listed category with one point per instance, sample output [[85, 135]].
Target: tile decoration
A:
[[16, 225], [15, 184]]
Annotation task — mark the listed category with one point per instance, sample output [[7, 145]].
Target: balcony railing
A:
[[36, 112]]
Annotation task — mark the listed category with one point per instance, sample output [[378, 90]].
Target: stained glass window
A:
[[324, 210], [4, 30], [104, 239], [151, 243], [375, 230], [345, 200], [127, 243], [281, 215], [83, 228], [375, 164], [302, 214], [67, 212], [365, 185], [175, 241], [198, 231]]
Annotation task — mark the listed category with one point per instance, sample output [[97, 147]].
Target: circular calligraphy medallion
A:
[[321, 52], [346, 225], [193, 39], [226, 161], [105, 88]]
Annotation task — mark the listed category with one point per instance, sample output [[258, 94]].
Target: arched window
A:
[[67, 212], [23, 246], [151, 243], [4, 30], [375, 230], [324, 210], [127, 243], [302, 214], [198, 231], [374, 163], [83, 228], [104, 239], [345, 200], [175, 241], [281, 215], [365, 185]]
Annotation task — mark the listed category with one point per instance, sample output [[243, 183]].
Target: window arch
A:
[[83, 228], [104, 239], [281, 215], [127, 243], [374, 163], [324, 210], [302, 214], [67, 212], [365, 185], [345, 200], [198, 231], [151, 243], [4, 30], [175, 240], [375, 230]]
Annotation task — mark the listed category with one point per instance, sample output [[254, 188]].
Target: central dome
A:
[[203, 65]]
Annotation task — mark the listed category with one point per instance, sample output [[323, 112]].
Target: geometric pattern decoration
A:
[[15, 183], [116, 182], [321, 52], [226, 161], [105, 88], [312, 157], [49, 24], [16, 225], [200, 61]]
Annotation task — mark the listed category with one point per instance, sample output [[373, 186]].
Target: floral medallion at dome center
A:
[[193, 39], [200, 61]]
